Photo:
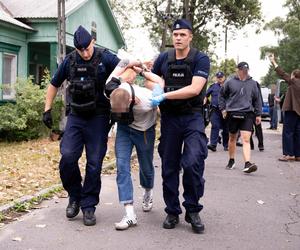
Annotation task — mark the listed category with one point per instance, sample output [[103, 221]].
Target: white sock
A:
[[129, 209], [148, 192]]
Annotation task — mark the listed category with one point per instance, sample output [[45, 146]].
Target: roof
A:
[[7, 17], [39, 8]]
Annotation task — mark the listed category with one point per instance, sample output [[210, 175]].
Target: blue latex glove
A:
[[157, 90], [155, 101]]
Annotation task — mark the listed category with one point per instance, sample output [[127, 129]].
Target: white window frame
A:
[[13, 76]]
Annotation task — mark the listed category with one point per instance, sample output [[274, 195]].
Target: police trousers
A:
[[182, 146], [91, 134]]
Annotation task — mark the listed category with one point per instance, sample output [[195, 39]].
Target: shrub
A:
[[22, 120]]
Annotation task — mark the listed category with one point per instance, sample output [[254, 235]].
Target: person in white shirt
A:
[[136, 118]]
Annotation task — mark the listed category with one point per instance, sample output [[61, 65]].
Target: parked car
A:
[[265, 106]]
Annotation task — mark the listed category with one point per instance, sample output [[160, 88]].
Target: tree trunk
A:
[[164, 34]]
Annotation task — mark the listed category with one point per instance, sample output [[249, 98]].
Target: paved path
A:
[[233, 215]]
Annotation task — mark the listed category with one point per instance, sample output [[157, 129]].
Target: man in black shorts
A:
[[240, 103]]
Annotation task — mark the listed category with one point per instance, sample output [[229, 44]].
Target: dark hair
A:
[[296, 73]]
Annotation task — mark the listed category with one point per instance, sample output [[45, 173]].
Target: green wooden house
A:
[[28, 36]]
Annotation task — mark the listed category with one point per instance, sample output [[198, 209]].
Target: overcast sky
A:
[[244, 47]]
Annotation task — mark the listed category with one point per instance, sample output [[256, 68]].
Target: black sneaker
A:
[[231, 164], [249, 167], [89, 218], [261, 148], [72, 209], [212, 147]]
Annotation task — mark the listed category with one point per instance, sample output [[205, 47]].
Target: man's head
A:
[[84, 43], [242, 70], [182, 34], [128, 75], [220, 76], [120, 100], [295, 74]]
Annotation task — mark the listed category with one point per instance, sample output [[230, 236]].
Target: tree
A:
[[288, 49], [205, 16]]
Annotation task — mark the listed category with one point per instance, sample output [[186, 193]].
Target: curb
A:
[[23, 199]]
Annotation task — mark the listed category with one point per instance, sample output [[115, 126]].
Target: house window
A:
[[9, 76]]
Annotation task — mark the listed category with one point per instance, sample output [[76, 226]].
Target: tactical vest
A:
[[179, 76], [84, 85]]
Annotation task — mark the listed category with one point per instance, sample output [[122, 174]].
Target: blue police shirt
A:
[[201, 65], [214, 91], [108, 63]]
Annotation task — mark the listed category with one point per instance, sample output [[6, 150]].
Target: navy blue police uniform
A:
[[182, 124], [216, 118], [88, 120]]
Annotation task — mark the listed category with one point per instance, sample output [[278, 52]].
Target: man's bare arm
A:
[[50, 95], [189, 91]]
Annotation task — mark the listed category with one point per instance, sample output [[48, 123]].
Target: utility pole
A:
[[225, 62], [61, 52], [61, 29]]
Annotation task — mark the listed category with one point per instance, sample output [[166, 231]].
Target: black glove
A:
[[47, 118]]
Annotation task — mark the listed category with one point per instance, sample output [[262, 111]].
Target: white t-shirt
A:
[[144, 114]]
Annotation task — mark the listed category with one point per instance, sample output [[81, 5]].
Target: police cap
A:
[[220, 74], [182, 24], [82, 38]]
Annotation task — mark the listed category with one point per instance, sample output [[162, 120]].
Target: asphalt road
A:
[[256, 211]]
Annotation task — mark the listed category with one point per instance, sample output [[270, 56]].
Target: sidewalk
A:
[[256, 211]]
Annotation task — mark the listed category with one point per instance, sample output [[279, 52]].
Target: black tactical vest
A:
[[84, 85], [179, 76]]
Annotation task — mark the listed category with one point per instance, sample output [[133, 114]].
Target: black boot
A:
[[171, 221], [195, 221], [212, 147], [89, 218], [72, 209]]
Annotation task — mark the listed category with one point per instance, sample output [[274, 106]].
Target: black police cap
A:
[[182, 24], [82, 38]]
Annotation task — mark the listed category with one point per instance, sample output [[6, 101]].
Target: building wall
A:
[[12, 42], [12, 37], [94, 11]]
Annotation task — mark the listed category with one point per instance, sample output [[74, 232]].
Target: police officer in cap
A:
[[183, 140], [86, 69], [216, 118]]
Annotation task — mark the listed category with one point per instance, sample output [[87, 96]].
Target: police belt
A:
[[176, 112], [97, 111]]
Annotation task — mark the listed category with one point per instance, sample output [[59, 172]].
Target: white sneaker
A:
[[126, 222], [147, 201]]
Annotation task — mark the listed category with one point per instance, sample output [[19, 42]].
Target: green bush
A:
[[22, 120]]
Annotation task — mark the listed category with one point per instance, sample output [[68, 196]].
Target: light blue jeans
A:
[[143, 141]]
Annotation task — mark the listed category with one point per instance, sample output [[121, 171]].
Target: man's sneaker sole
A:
[[146, 209], [250, 169], [232, 167], [130, 223]]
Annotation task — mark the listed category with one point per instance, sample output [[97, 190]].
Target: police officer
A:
[[216, 118], [185, 71], [240, 103], [86, 69]]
